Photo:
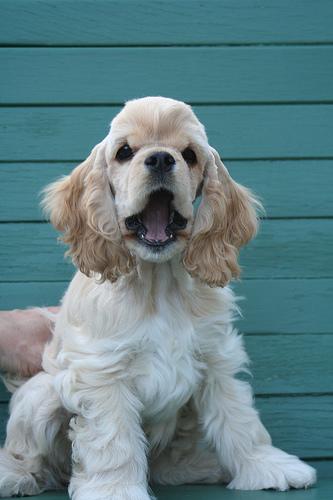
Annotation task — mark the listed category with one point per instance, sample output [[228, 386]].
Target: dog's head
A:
[[133, 198]]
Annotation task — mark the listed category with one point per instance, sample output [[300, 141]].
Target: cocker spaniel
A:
[[141, 370]]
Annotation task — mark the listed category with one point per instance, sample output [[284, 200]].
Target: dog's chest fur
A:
[[167, 368], [149, 331]]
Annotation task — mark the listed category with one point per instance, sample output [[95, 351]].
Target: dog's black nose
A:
[[160, 162]]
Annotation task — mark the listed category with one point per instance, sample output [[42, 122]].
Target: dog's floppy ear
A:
[[225, 221], [82, 207]]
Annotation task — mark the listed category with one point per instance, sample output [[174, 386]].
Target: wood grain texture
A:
[[238, 132], [283, 249], [42, 262], [288, 188], [286, 306], [299, 425], [290, 364], [290, 420], [324, 469], [105, 22], [271, 306], [30, 294], [300, 188], [21, 185], [200, 74], [322, 491], [290, 249]]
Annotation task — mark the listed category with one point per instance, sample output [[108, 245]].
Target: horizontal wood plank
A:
[[283, 364], [283, 249], [30, 294], [299, 425], [286, 306], [105, 22], [290, 249], [290, 364], [37, 254], [238, 132], [21, 185], [290, 420], [202, 74], [321, 491], [271, 306], [300, 188], [324, 470]]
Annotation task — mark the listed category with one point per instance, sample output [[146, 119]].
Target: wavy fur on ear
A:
[[226, 220], [81, 206]]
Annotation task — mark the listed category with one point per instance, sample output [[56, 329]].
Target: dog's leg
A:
[[233, 427], [32, 459], [108, 443], [185, 459]]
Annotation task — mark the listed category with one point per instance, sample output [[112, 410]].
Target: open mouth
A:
[[158, 223]]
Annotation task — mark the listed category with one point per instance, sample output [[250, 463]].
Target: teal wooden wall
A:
[[259, 74]]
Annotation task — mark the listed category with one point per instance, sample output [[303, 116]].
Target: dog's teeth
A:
[[142, 236], [171, 236]]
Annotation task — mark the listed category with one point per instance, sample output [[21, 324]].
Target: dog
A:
[[140, 379]]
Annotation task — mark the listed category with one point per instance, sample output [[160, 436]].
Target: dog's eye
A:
[[189, 156], [124, 153]]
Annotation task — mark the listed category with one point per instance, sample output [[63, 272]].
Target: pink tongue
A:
[[155, 216]]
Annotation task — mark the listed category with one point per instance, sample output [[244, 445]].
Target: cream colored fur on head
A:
[[83, 207], [142, 369]]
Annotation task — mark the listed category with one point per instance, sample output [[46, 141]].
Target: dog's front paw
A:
[[271, 468], [109, 492], [15, 478]]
